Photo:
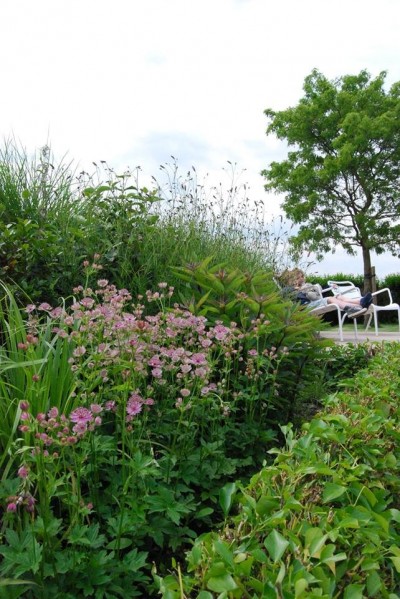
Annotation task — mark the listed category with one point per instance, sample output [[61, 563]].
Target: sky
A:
[[134, 82]]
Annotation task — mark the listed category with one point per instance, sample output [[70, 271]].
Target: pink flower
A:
[[23, 472], [24, 405], [102, 282], [198, 359], [134, 406], [96, 408], [87, 302], [155, 361], [206, 343], [81, 416], [157, 373], [80, 428], [12, 507], [201, 372], [30, 503], [79, 351], [52, 413], [45, 306], [30, 308]]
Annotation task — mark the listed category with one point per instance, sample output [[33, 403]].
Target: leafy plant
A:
[[323, 519]]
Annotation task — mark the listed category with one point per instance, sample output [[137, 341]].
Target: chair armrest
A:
[[327, 290], [384, 290]]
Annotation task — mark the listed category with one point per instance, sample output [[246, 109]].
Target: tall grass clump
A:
[[34, 187], [38, 209], [53, 218], [206, 219]]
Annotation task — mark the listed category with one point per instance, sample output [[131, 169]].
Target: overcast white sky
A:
[[133, 82]]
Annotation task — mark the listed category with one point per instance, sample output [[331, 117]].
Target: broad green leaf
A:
[[276, 545], [354, 591], [348, 523], [219, 584], [317, 545], [204, 512], [300, 586], [374, 584], [226, 495], [223, 550], [121, 543], [332, 491], [396, 563]]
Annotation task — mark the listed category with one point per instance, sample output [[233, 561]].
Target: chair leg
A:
[[355, 329], [369, 322], [340, 321], [376, 323]]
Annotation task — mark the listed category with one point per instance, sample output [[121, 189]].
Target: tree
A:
[[341, 177]]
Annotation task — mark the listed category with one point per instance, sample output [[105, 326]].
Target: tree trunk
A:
[[366, 254]]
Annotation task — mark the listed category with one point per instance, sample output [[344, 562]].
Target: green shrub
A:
[[323, 520], [122, 419]]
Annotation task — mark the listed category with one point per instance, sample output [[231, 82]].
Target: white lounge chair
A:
[[348, 289], [341, 315]]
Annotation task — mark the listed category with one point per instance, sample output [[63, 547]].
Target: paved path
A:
[[362, 336]]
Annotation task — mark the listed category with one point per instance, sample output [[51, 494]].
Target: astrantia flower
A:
[[79, 351], [198, 359], [81, 416], [45, 306], [134, 406], [87, 302], [23, 472]]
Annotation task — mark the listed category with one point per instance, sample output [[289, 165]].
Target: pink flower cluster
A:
[[54, 428], [135, 404], [114, 340], [24, 500]]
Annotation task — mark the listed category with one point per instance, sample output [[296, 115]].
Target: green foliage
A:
[[177, 411], [253, 301], [323, 519], [53, 220], [341, 176]]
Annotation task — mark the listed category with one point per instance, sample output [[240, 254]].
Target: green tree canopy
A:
[[341, 177]]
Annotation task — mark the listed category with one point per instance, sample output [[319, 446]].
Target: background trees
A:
[[342, 172]]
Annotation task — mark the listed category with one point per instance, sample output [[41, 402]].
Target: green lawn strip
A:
[[323, 519]]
